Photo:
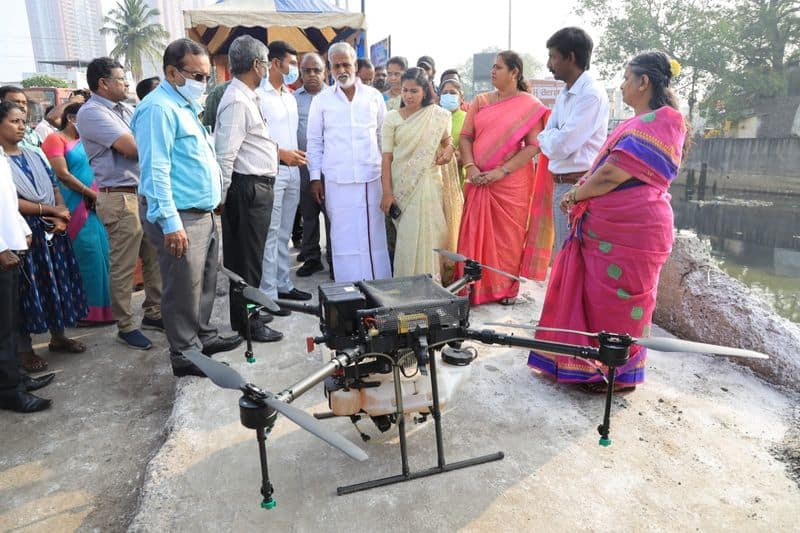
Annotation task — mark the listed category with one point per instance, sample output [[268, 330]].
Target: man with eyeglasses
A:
[[312, 70], [248, 159], [183, 186], [103, 123]]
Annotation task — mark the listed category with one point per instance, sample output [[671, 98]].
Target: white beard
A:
[[351, 80]]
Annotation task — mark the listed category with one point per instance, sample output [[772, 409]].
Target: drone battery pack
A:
[[339, 303]]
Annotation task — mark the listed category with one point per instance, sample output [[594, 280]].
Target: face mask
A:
[[449, 101], [192, 90], [292, 76]]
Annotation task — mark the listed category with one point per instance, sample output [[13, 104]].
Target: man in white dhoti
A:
[[344, 128]]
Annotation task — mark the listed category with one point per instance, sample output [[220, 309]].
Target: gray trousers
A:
[[560, 220], [189, 283], [276, 265], [311, 209]]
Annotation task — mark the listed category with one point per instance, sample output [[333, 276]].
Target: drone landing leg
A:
[[248, 354], [605, 427], [441, 467], [266, 487]]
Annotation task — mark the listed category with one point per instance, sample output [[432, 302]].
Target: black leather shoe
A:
[[23, 402], [222, 344], [294, 294], [265, 334], [32, 383], [264, 317], [310, 267]]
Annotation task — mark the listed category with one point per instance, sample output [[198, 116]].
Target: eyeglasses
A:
[[312, 70], [197, 76]]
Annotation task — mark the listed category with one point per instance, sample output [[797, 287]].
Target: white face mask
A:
[[192, 90], [449, 101]]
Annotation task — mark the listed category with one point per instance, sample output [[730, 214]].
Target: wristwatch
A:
[[505, 170]]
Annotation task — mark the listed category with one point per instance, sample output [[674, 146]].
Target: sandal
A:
[[601, 387], [66, 345], [31, 362]]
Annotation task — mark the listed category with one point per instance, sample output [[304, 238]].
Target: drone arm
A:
[[488, 336], [340, 360]]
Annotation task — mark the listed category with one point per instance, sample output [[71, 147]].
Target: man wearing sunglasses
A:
[[183, 186]]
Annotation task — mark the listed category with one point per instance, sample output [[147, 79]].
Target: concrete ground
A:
[[703, 444]]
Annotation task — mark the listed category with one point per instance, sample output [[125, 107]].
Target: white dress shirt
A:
[[279, 108], [242, 138], [13, 228], [577, 127], [344, 136]]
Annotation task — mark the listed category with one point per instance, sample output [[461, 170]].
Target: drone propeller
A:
[[250, 293], [458, 258], [228, 378], [662, 344]]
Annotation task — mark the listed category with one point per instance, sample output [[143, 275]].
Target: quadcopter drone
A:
[[396, 350]]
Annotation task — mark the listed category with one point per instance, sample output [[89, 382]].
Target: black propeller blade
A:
[[250, 293], [662, 344], [228, 378], [458, 258]]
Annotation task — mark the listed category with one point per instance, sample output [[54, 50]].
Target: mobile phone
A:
[[394, 211]]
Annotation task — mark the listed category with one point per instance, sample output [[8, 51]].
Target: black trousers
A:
[[311, 209], [245, 221], [10, 376]]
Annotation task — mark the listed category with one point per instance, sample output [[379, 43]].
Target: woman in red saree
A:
[[506, 223], [606, 275]]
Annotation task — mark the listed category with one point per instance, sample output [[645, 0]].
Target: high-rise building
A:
[[63, 30], [171, 14]]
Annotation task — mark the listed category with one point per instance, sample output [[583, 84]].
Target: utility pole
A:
[[509, 24]]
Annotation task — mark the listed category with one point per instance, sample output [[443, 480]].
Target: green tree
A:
[[43, 80], [135, 36], [695, 33]]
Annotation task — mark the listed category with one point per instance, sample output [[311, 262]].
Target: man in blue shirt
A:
[[181, 182]]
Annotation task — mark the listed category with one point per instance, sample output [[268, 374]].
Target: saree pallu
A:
[[605, 278], [417, 186], [87, 233], [503, 225]]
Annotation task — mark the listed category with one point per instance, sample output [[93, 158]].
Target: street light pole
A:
[[509, 24]]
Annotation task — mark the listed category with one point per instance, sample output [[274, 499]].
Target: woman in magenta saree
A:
[[606, 275], [506, 223], [65, 152]]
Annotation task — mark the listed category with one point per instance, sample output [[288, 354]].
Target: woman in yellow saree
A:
[[416, 140]]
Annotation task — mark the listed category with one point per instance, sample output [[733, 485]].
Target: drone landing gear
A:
[[442, 466], [261, 418]]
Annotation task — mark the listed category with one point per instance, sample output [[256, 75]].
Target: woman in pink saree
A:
[[506, 223], [606, 275]]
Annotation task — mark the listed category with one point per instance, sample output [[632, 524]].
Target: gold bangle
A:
[[40, 209], [467, 165]]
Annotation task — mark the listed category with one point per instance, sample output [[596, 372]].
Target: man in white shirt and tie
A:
[[344, 128], [15, 386], [280, 110], [578, 126]]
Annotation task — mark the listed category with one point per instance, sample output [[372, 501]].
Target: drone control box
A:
[[385, 315]]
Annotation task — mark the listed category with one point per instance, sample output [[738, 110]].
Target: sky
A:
[[450, 31]]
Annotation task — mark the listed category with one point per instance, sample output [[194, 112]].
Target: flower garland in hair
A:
[[675, 68]]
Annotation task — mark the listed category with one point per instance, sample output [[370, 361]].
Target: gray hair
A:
[[342, 48], [313, 56], [243, 52]]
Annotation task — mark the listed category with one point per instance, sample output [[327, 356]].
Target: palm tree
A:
[[135, 37]]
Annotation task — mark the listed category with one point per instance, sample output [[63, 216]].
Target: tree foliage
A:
[[135, 37], [43, 80], [731, 52]]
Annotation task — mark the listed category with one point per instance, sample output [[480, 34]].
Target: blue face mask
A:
[[292, 76], [449, 101], [192, 90]]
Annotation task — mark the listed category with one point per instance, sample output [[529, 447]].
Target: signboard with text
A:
[[545, 90], [379, 52]]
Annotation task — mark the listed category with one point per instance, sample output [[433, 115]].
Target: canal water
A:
[[755, 238]]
